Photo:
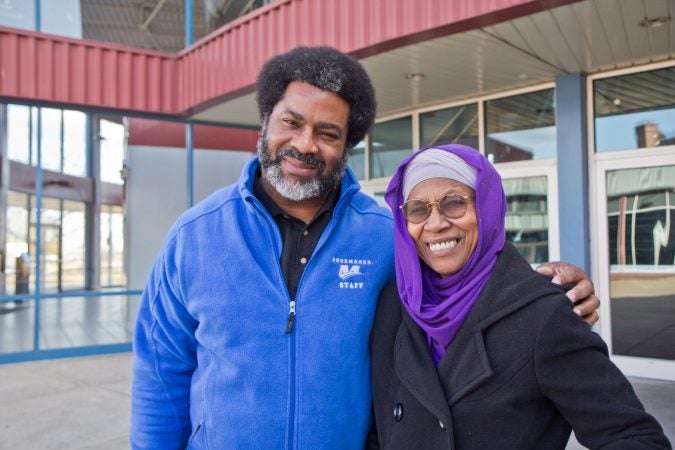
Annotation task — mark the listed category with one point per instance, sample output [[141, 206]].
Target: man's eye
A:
[[290, 122]]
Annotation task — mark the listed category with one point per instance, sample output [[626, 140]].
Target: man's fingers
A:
[[591, 318], [584, 288], [588, 306]]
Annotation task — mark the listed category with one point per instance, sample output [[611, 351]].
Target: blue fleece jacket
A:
[[214, 367]]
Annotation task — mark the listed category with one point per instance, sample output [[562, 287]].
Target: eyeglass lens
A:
[[452, 206]]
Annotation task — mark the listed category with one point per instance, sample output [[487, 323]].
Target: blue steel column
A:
[[571, 123], [189, 144], [38, 206], [38, 15], [38, 231]]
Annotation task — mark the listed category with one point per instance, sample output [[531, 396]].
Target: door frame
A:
[[603, 163]]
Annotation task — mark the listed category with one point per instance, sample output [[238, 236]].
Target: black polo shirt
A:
[[299, 238]]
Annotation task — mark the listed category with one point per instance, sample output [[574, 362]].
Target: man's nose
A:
[[305, 142]]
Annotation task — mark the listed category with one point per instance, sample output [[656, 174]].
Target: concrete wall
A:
[[157, 194]]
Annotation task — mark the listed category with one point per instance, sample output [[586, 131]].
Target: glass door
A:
[[636, 262]]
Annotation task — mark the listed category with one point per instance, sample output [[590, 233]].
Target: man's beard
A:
[[297, 190]]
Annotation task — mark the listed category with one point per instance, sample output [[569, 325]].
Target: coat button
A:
[[398, 412], [441, 424]]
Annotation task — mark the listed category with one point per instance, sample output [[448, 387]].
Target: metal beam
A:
[[153, 13]]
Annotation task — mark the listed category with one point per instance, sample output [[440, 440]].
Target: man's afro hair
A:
[[325, 68]]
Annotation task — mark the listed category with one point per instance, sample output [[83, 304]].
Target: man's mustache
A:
[[304, 157]]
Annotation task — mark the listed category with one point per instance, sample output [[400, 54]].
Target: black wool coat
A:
[[521, 372]]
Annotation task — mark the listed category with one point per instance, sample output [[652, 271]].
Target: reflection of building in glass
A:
[[640, 209], [649, 135], [527, 217]]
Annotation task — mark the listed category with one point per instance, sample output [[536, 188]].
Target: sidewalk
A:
[[83, 403]]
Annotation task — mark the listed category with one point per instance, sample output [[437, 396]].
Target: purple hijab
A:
[[440, 305]]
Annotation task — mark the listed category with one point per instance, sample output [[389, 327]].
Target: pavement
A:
[[83, 403]]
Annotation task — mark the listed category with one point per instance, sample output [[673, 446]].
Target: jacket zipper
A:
[[289, 329], [291, 316], [291, 313]]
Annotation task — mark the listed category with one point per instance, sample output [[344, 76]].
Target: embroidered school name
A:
[[362, 262], [349, 269]]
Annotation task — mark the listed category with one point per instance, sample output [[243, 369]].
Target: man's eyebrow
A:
[[330, 126], [296, 115], [321, 125]]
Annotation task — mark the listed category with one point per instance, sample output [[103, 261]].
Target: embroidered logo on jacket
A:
[[350, 273]]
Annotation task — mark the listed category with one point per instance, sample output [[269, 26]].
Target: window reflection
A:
[[390, 143], [18, 133], [52, 129], [357, 160], [112, 246], [521, 127], [62, 235], [17, 263], [112, 151], [74, 143], [635, 111], [640, 208], [527, 217], [457, 125]]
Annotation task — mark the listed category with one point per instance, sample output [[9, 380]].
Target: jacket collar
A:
[[437, 388]]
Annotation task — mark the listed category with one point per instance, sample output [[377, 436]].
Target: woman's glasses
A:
[[452, 206]]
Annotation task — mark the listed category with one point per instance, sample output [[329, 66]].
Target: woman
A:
[[471, 348]]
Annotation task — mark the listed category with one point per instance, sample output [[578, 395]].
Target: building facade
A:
[[103, 145]]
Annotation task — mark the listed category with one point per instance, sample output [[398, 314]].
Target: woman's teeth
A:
[[442, 245]]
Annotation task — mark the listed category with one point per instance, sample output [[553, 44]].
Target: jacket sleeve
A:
[[575, 373], [164, 359]]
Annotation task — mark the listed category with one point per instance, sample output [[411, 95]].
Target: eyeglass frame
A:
[[467, 198]]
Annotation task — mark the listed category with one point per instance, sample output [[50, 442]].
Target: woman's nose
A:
[[437, 219]]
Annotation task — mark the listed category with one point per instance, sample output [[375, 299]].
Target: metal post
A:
[[38, 15], [189, 143], [38, 231]]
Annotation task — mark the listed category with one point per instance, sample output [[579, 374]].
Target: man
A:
[[253, 327]]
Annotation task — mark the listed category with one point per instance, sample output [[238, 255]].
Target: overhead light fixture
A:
[[415, 76], [654, 22], [523, 76]]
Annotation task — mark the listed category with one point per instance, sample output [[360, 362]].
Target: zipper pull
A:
[[291, 317]]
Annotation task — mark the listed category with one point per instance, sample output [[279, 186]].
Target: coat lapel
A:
[[416, 370], [465, 364]]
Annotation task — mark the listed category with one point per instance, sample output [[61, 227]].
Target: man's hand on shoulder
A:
[[582, 294]]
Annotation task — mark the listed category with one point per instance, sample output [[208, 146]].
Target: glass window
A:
[[521, 127], [112, 246], [61, 17], [18, 14], [18, 133], [527, 217], [390, 143], [457, 125], [112, 151], [63, 244], [635, 111], [17, 263], [357, 160], [75, 143], [72, 246], [640, 208], [52, 128]]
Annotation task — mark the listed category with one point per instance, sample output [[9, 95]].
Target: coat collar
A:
[[437, 388]]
